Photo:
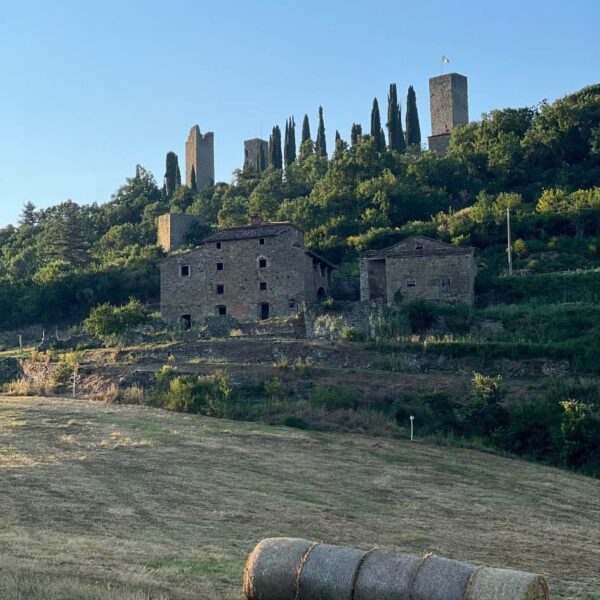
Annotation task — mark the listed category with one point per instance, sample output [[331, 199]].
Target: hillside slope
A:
[[127, 502]]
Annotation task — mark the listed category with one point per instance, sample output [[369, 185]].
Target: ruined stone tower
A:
[[200, 154], [449, 105], [256, 155], [173, 230]]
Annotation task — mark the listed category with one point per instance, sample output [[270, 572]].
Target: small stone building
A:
[[250, 273], [419, 267]]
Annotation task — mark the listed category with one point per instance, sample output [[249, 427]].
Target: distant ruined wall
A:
[[200, 154], [253, 161], [173, 230]]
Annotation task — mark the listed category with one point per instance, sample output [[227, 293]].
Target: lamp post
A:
[[412, 429]]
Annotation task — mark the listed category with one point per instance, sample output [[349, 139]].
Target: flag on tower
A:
[[445, 60]]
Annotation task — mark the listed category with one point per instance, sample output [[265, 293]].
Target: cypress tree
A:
[[355, 133], [262, 159], [376, 130], [305, 130], [193, 185], [413, 129], [178, 176], [394, 123], [321, 142], [171, 170], [275, 158], [292, 146]]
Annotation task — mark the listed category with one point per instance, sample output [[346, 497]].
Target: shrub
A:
[[333, 397], [421, 315], [62, 376], [350, 334], [110, 323], [274, 389], [297, 422]]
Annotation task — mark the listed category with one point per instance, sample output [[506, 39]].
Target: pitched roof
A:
[[418, 245], [248, 232]]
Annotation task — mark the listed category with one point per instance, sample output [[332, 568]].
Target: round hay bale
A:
[[272, 568], [506, 584], [386, 576], [329, 573], [441, 579]]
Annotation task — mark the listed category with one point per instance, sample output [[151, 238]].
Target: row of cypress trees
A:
[[398, 139]]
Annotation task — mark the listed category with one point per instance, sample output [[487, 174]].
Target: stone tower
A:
[[200, 154], [256, 155], [449, 105], [173, 230]]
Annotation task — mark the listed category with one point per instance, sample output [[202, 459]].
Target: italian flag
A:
[[445, 60]]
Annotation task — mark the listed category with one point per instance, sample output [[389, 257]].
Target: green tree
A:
[[193, 185], [396, 139], [321, 142], [275, 157], [28, 216], [305, 130], [413, 128], [355, 134], [376, 129], [171, 170]]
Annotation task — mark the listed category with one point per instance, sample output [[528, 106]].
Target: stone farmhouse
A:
[[250, 273], [419, 267]]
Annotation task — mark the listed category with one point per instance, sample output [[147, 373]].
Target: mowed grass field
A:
[[110, 502]]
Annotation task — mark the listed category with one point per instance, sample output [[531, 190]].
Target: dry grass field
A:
[[110, 502]]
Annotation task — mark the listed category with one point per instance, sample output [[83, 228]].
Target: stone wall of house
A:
[[189, 282], [447, 278]]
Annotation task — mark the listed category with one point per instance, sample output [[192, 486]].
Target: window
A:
[[263, 310], [263, 285], [292, 304], [218, 244], [411, 283], [220, 288], [445, 282], [418, 246], [184, 270], [186, 322], [261, 241], [262, 263], [219, 266], [221, 310]]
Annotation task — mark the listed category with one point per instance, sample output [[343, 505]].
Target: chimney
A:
[[255, 219]]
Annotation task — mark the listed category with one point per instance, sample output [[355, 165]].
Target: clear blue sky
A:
[[89, 89]]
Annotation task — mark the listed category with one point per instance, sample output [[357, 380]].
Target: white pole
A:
[[74, 382], [412, 429], [509, 246]]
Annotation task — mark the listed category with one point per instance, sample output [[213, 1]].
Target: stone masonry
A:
[[173, 229], [419, 267], [256, 155], [250, 273], [200, 154], [449, 106]]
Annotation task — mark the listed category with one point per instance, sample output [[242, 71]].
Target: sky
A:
[[90, 89]]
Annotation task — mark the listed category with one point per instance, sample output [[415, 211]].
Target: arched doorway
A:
[[321, 294]]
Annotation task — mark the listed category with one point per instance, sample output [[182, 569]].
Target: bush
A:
[[110, 323], [296, 422], [421, 316], [332, 397], [434, 412]]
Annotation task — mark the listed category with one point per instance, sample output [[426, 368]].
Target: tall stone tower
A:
[[449, 105], [256, 155], [200, 154]]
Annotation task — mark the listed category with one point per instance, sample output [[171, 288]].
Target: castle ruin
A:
[[256, 155], [200, 159], [449, 107]]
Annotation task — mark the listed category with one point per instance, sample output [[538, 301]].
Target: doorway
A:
[[264, 311]]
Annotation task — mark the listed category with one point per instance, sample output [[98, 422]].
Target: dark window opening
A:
[[219, 266], [445, 281], [292, 304], [262, 263], [218, 245], [220, 289], [419, 247], [185, 270], [264, 310], [186, 322], [263, 285], [261, 241], [411, 283], [221, 311], [320, 295]]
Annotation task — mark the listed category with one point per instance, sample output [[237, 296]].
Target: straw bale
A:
[[506, 584], [271, 568], [329, 573], [386, 576], [441, 579]]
